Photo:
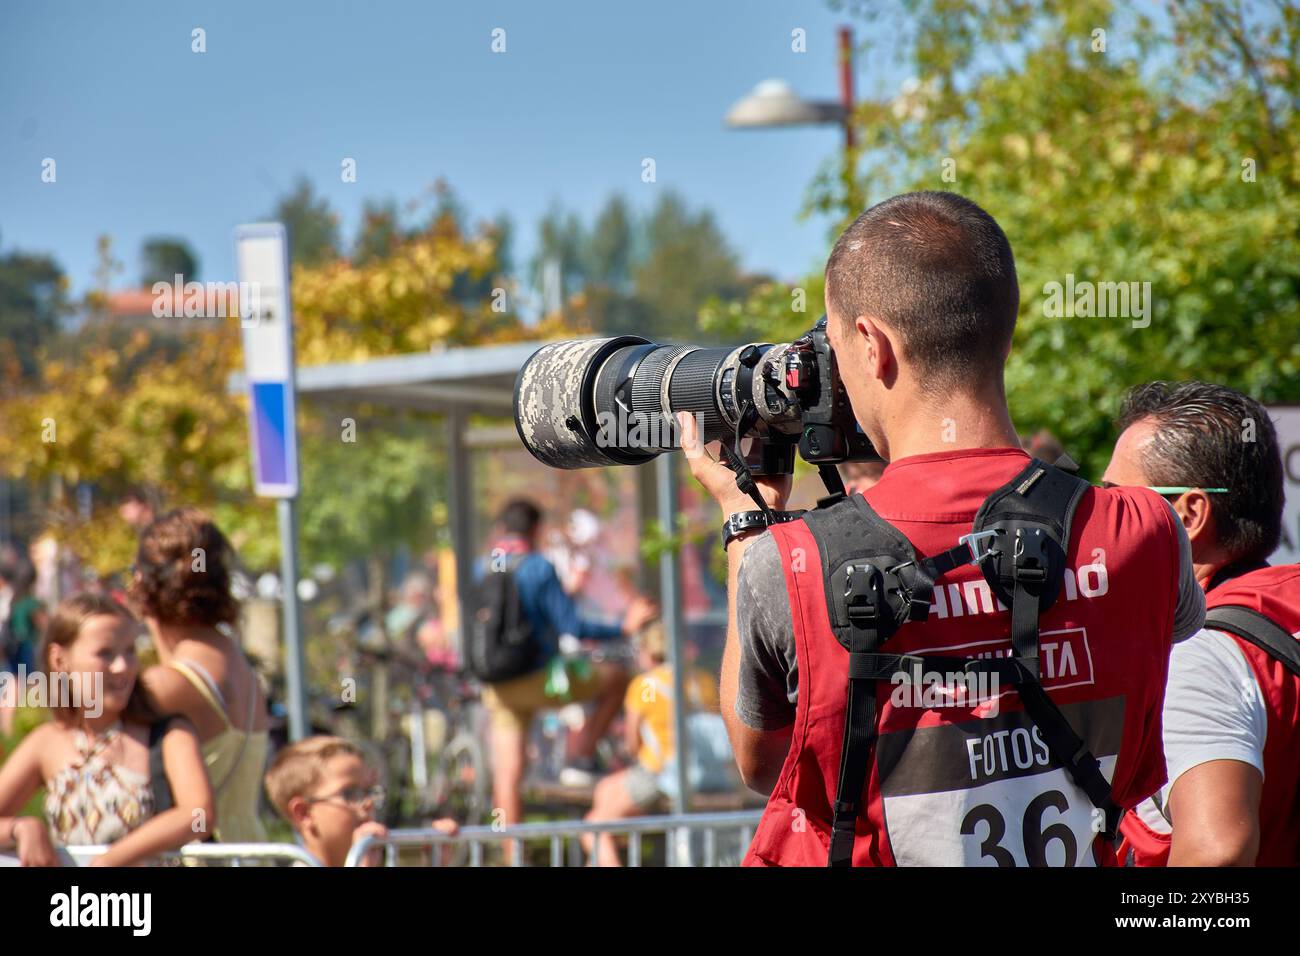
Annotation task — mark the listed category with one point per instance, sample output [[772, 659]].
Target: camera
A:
[[612, 401]]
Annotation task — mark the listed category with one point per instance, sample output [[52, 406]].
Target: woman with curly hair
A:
[[182, 589]]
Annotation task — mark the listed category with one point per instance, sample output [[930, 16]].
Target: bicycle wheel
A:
[[460, 786]]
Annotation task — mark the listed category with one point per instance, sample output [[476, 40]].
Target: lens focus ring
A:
[[692, 389], [647, 384]]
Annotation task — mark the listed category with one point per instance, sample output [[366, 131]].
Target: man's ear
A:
[[881, 361], [1196, 512]]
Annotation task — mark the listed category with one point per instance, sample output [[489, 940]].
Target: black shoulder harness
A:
[[875, 583], [1251, 626]]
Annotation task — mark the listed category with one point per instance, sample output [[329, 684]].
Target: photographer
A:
[[921, 300], [1232, 707]]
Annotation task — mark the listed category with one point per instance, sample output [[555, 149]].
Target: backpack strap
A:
[[1249, 625], [875, 583], [1032, 515], [859, 585]]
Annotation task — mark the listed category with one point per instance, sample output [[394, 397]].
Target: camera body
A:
[[613, 401]]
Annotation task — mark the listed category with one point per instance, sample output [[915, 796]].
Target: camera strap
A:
[[875, 583], [734, 459], [830, 476]]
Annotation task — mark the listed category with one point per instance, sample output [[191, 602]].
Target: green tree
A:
[[1112, 146], [33, 300], [121, 411], [164, 259], [560, 242], [313, 226], [687, 261], [609, 250], [380, 231], [503, 234]]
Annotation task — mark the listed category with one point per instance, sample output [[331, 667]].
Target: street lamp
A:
[[774, 103]]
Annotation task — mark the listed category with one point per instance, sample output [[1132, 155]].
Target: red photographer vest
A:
[[1273, 592], [959, 775]]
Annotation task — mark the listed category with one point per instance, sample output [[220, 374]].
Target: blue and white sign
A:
[[262, 259]]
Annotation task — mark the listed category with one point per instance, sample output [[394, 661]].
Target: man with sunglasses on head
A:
[[1232, 703]]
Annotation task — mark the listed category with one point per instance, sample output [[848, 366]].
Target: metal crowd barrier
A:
[[563, 836], [688, 837], [232, 853]]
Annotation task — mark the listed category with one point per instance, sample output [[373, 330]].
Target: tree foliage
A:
[[33, 299], [119, 413], [164, 259], [645, 274], [1113, 147], [313, 226]]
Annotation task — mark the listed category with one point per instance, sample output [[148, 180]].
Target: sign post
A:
[[1286, 418], [265, 318]]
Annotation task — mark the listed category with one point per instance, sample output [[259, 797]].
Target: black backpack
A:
[[500, 642], [878, 583]]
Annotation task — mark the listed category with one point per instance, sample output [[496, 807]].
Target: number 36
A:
[[1034, 834]]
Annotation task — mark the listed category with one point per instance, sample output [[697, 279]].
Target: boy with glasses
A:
[[323, 787]]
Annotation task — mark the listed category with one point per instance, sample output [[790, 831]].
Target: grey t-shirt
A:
[[768, 686]]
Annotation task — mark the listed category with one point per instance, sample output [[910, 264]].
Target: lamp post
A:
[[774, 103]]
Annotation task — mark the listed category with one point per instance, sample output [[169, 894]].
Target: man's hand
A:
[[639, 613], [720, 481], [32, 841]]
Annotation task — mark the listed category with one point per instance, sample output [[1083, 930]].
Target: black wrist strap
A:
[[742, 522]]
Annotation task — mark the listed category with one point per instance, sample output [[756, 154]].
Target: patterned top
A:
[[93, 802]]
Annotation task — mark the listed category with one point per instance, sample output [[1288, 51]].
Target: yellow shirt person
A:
[[649, 700]]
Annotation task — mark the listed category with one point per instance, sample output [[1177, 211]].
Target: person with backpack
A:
[[1232, 705], [648, 733], [521, 611], [963, 666]]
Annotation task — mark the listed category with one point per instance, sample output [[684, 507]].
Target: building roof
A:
[[475, 379]]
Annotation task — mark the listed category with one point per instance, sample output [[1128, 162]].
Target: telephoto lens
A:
[[612, 401]]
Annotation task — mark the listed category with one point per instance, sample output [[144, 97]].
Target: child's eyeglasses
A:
[[355, 797]]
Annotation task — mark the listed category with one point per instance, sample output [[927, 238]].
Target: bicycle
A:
[[551, 737]]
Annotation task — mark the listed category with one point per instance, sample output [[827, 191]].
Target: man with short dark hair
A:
[[512, 704], [921, 302], [1232, 710]]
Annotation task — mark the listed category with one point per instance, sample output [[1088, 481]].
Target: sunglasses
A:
[[1164, 490]]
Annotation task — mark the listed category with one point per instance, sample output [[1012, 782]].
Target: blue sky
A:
[[153, 139]]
